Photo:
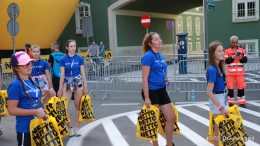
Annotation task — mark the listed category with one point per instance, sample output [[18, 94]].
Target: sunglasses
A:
[[26, 66]]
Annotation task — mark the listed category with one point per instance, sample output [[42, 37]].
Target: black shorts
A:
[[159, 96], [23, 139]]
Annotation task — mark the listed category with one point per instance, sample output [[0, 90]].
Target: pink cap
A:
[[20, 58]]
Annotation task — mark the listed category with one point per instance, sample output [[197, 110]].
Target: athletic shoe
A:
[[77, 132], [71, 132], [242, 105]]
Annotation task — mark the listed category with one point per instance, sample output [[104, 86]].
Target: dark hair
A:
[[147, 39], [30, 78], [212, 48], [56, 45], [67, 44]]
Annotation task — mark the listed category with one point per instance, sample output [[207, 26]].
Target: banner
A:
[[7, 68], [45, 133], [162, 122], [86, 111], [3, 103], [147, 123]]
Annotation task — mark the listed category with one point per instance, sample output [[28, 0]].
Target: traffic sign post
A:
[[146, 21], [13, 26], [170, 25]]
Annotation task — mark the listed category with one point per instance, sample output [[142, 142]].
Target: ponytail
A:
[[147, 39]]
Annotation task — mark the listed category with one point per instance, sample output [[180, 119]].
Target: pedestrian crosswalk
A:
[[193, 123]]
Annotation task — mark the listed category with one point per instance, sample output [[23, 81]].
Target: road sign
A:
[[16, 10], [169, 24], [213, 0], [145, 20], [211, 7], [10, 27]]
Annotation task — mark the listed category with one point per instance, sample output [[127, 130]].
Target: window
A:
[[198, 46], [189, 26], [83, 10], [251, 46], [189, 47], [197, 23], [179, 24], [245, 10]]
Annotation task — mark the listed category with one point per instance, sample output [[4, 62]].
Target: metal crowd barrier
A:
[[124, 73]]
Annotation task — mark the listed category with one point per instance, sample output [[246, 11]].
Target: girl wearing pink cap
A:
[[24, 97]]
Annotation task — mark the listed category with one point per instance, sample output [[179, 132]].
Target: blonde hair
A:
[[147, 39], [34, 47]]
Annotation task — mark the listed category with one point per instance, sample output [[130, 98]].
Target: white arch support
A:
[[111, 21]]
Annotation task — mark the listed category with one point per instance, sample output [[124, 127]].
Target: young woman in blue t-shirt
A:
[[72, 79], [216, 89], [40, 70], [154, 74], [24, 97]]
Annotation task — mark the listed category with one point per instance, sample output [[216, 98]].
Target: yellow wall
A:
[[41, 21]]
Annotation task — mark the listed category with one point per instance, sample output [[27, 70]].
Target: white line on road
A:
[[133, 118], [193, 115], [113, 134], [120, 104], [257, 114], [254, 103], [192, 136], [77, 141]]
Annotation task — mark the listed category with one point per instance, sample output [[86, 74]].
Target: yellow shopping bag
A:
[[45, 133], [228, 130], [242, 131], [51, 111], [64, 107], [3, 103], [86, 111], [147, 123], [211, 128], [162, 122]]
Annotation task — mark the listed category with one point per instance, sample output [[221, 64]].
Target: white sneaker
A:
[[77, 132], [71, 132]]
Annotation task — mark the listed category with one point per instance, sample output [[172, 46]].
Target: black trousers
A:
[[56, 84]]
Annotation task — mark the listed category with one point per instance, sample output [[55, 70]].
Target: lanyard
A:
[[37, 67], [71, 64], [36, 91], [159, 61]]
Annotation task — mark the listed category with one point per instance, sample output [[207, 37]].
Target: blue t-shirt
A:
[[15, 92], [212, 76], [156, 76], [42, 66], [66, 62]]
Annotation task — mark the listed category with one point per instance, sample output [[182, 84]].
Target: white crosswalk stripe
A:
[[189, 134]]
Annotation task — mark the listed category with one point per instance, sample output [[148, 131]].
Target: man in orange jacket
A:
[[234, 58]]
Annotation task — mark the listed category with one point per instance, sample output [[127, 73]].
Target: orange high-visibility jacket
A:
[[235, 66]]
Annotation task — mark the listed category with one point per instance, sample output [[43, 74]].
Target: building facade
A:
[[236, 17], [121, 31]]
